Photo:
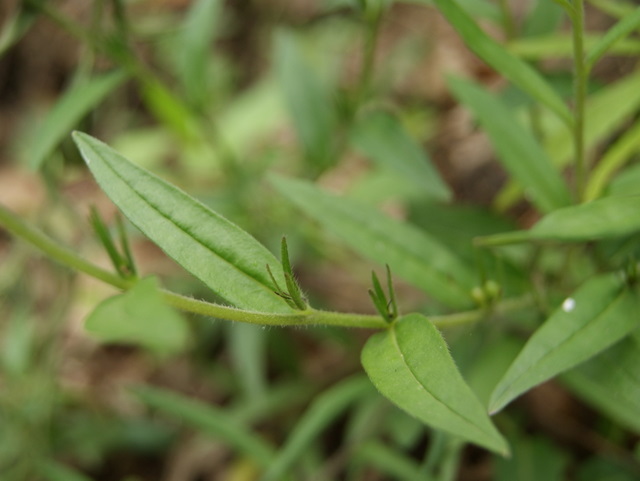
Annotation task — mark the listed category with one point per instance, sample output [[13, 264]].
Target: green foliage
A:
[[411, 365], [495, 303]]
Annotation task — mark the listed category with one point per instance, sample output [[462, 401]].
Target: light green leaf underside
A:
[[518, 150], [611, 382], [514, 69], [599, 314], [410, 364], [411, 253], [600, 219], [74, 104], [381, 137], [139, 316], [223, 256]]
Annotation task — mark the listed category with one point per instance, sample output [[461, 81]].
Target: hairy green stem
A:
[[65, 256], [581, 74], [54, 250]]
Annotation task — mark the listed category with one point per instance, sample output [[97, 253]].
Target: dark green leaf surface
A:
[[600, 219], [410, 253], [410, 364], [599, 314], [382, 138], [76, 102], [611, 382], [223, 256], [518, 72], [518, 150], [141, 317]]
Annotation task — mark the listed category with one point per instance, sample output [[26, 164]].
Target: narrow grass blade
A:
[[601, 219], [611, 382], [200, 28], [620, 30], [596, 316], [518, 150], [411, 253], [559, 45], [389, 461], [383, 139], [518, 72], [140, 317], [614, 158], [308, 101], [247, 348], [16, 27], [411, 365], [209, 420], [325, 409], [76, 102], [223, 256]]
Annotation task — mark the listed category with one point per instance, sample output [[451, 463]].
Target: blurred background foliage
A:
[[211, 96]]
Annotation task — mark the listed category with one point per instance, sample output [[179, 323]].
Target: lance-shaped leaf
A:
[[514, 69], [222, 255], [410, 253], [518, 150], [600, 313], [603, 218], [411, 365]]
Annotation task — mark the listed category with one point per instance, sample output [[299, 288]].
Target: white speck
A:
[[569, 304]]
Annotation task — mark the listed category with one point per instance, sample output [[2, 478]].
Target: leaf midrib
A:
[[447, 406], [172, 220]]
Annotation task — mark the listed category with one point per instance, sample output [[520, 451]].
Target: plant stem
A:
[[581, 74], [65, 256], [53, 249]]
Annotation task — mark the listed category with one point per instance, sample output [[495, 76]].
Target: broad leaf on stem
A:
[[597, 315], [139, 316], [411, 365], [219, 253]]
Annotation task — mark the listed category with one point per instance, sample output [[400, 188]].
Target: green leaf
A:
[[621, 29], [76, 102], [382, 138], [561, 45], [410, 253], [610, 382], [600, 313], [223, 256], [322, 412], [308, 101], [410, 364], [600, 219], [209, 420], [518, 150], [198, 32], [14, 28], [140, 316], [515, 70]]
